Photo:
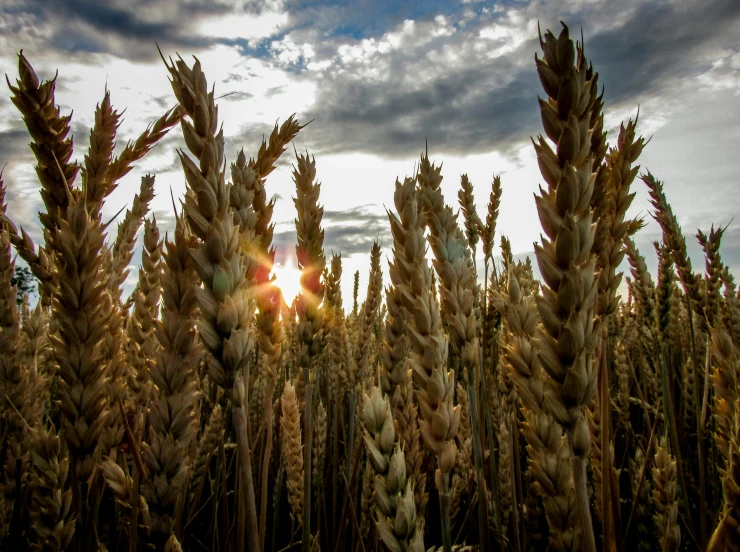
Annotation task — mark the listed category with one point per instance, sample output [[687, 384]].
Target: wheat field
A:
[[454, 406]]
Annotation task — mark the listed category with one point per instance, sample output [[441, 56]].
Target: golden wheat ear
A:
[[665, 498], [473, 223], [52, 520]]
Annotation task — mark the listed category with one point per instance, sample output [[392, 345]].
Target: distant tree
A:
[[25, 281]]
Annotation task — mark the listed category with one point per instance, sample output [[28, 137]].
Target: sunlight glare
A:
[[288, 279]]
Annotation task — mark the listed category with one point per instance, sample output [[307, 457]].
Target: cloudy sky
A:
[[378, 78]]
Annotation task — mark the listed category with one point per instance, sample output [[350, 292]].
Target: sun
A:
[[288, 279]]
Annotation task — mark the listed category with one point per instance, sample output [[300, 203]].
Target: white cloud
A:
[[249, 26]]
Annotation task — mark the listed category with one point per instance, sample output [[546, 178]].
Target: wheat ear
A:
[[99, 155], [712, 281], [458, 294], [172, 410], [51, 520], [270, 151], [360, 373], [665, 498], [428, 359], [473, 223], [291, 449], [133, 151], [49, 130], [612, 227], [673, 237], [311, 262], [53, 150], [224, 301], [395, 350], [549, 458], [143, 345], [568, 305], [123, 247], [394, 493]]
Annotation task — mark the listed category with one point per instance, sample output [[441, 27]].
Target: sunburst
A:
[[288, 279]]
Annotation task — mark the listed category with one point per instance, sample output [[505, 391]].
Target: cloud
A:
[[467, 82], [13, 145], [129, 29], [662, 43], [349, 232]]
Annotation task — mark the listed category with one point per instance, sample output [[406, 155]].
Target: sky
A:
[[378, 80]]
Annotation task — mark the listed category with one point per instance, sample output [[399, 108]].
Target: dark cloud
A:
[[349, 232], [126, 28], [455, 114], [478, 105], [659, 42], [14, 146]]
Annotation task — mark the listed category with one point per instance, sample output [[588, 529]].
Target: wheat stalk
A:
[[142, 344], [458, 293], [49, 130], [172, 415], [712, 282]]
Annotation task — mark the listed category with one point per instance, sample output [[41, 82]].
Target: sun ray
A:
[[288, 279]]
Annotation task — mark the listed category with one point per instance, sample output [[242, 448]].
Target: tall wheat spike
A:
[[549, 461], [428, 359], [473, 223], [458, 294], [225, 304], [99, 155], [568, 304], [311, 262], [172, 410], [143, 345]]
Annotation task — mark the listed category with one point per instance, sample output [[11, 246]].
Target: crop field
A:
[[460, 401]]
